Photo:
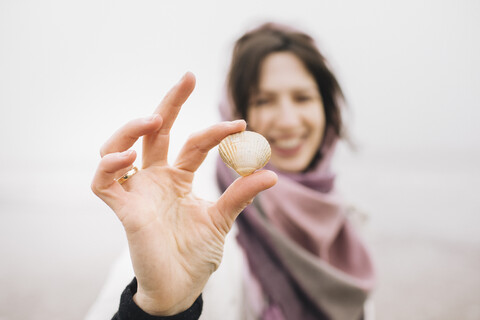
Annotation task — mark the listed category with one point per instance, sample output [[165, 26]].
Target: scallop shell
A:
[[245, 152]]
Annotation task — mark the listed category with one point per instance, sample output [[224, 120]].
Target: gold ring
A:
[[127, 175]]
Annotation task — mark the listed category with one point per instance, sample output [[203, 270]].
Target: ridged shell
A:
[[245, 152]]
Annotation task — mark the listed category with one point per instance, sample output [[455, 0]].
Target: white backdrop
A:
[[73, 72]]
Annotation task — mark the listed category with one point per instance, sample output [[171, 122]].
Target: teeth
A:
[[288, 143]]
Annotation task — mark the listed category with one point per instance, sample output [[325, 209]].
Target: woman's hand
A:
[[175, 239]]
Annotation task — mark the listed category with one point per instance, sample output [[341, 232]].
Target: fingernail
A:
[[183, 77], [238, 121], [126, 153], [151, 117]]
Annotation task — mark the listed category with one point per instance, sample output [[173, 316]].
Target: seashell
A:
[[245, 152]]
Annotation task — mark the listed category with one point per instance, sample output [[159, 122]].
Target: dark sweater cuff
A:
[[129, 310]]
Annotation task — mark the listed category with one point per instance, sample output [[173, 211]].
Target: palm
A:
[[173, 227], [175, 239]]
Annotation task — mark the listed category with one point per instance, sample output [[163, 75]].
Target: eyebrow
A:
[[307, 89]]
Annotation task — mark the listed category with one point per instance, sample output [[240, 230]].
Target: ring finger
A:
[[127, 135]]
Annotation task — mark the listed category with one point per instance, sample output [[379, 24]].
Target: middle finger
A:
[[155, 145]]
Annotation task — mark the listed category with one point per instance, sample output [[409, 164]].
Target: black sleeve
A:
[[129, 310]]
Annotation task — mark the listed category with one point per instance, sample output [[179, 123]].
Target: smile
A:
[[287, 147]]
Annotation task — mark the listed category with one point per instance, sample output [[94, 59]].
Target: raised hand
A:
[[175, 239]]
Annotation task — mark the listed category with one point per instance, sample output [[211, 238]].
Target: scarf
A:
[[303, 255]]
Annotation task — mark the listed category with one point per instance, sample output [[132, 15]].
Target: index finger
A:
[[155, 145], [196, 148]]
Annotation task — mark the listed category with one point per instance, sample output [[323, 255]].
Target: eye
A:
[[303, 98], [261, 101]]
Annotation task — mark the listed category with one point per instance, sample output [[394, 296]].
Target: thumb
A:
[[240, 194]]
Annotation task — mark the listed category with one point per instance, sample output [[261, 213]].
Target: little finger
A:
[[110, 168]]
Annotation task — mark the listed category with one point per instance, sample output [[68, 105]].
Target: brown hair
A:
[[253, 47]]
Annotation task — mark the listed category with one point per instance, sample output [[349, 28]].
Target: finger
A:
[[155, 145], [112, 166], [240, 194], [197, 146], [127, 135], [173, 101]]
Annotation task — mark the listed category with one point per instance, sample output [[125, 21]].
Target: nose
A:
[[287, 116]]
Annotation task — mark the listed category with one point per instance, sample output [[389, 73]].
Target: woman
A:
[[297, 231], [303, 260]]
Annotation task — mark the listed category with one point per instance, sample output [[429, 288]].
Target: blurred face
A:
[[288, 111]]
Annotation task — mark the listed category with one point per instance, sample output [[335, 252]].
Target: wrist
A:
[[163, 306], [129, 309], [155, 308]]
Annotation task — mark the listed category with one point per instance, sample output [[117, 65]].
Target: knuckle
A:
[[103, 150], [193, 137], [195, 142], [94, 188]]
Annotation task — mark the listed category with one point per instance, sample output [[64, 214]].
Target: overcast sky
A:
[[71, 72]]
